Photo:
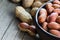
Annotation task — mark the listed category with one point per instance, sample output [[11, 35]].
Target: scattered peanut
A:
[[33, 11], [37, 4]]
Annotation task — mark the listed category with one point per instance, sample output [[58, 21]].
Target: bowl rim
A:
[[36, 19]]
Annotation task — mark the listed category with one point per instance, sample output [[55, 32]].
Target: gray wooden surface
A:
[[8, 23]]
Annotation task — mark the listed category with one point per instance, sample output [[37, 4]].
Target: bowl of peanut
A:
[[48, 20]]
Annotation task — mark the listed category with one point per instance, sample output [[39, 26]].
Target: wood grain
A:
[[27, 37], [19, 36], [12, 31], [6, 16]]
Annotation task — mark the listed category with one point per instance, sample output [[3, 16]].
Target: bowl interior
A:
[[39, 25]]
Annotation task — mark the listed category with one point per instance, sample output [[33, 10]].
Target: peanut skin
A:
[[43, 15], [55, 32], [57, 10], [58, 19], [27, 28], [49, 7], [52, 17], [44, 25], [54, 25], [32, 28], [56, 2], [24, 25], [56, 5], [43, 11]]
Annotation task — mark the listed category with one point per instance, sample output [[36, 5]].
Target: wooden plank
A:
[[19, 35], [27, 37], [6, 16], [4, 6], [12, 32], [1, 1]]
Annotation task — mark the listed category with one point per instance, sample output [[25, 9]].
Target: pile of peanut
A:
[[49, 18]]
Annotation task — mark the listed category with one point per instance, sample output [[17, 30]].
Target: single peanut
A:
[[54, 25], [55, 32], [49, 7], [42, 16], [44, 25], [52, 17], [56, 2], [57, 10], [56, 5], [58, 19]]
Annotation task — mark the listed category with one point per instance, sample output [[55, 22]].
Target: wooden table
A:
[[8, 23]]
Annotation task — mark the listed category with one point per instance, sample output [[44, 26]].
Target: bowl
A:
[[44, 35]]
